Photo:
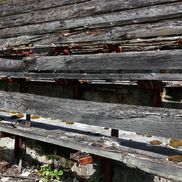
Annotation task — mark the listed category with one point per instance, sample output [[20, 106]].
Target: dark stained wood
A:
[[147, 161], [155, 121]]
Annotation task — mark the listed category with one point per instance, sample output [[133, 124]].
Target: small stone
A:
[[175, 143], [175, 158], [155, 142]]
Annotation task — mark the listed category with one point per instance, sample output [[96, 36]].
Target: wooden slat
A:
[[11, 65], [13, 7], [149, 162], [149, 65], [155, 61], [129, 37], [93, 76], [145, 14], [155, 121], [129, 62], [103, 35], [71, 11]]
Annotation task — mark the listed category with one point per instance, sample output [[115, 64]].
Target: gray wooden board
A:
[[88, 8], [19, 7], [133, 16], [161, 31], [129, 62], [154, 121], [85, 76], [118, 33], [149, 162], [151, 60], [13, 7]]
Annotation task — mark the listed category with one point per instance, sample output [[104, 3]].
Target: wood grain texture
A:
[[11, 65], [168, 28], [129, 37], [13, 7], [149, 65], [153, 61], [70, 10], [133, 16], [60, 23], [136, 61], [155, 121], [93, 76], [146, 161]]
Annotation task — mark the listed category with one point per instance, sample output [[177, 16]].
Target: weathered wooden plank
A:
[[15, 7], [149, 65], [94, 76], [42, 45], [152, 14], [11, 65], [152, 61], [37, 40], [155, 61], [127, 36], [147, 30], [12, 7], [116, 35], [146, 161], [155, 121], [72, 11]]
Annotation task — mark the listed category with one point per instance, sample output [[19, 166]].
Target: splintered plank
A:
[[118, 34], [130, 37], [154, 121]]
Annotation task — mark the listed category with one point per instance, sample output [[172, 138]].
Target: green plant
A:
[[48, 172], [95, 180]]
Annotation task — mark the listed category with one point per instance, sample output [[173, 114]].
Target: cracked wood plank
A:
[[129, 37], [154, 121]]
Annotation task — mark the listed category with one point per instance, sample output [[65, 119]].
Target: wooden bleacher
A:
[[84, 40]]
